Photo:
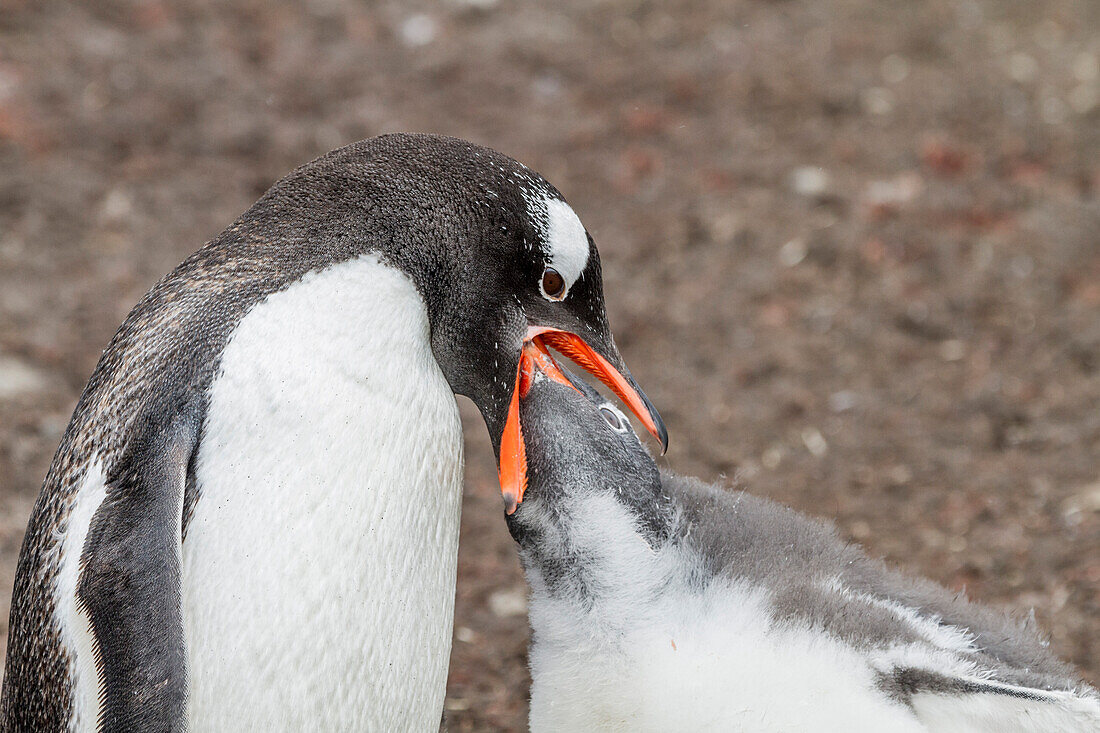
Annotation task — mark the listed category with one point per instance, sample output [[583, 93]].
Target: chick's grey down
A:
[[659, 602]]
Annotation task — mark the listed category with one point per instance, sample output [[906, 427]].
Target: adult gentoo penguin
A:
[[251, 522], [659, 603]]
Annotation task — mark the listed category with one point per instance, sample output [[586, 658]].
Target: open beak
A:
[[536, 356]]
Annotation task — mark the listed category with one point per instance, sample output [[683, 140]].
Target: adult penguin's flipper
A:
[[130, 583]]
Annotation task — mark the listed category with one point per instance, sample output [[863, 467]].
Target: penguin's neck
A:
[[595, 568], [323, 546]]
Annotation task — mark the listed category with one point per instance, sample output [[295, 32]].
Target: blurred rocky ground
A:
[[851, 249]]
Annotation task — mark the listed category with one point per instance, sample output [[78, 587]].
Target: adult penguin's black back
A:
[[251, 522]]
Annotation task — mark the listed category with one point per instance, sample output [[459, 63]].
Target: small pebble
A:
[[1084, 501], [771, 457], [793, 252], [952, 350], [810, 181], [19, 378], [815, 442], [842, 401], [899, 475], [506, 603], [877, 101], [894, 68], [418, 30]]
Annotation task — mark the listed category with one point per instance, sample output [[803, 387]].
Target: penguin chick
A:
[[660, 603]]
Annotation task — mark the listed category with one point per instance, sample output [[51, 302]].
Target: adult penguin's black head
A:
[[500, 259]]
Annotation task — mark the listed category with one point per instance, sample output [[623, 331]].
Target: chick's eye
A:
[[611, 418], [553, 284]]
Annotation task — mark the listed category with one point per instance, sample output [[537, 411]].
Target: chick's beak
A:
[[535, 356]]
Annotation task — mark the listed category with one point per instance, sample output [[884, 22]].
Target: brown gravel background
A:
[[852, 249]]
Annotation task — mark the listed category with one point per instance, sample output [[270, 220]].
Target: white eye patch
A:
[[566, 242]]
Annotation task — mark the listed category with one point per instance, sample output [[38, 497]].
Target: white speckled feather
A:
[[72, 620]]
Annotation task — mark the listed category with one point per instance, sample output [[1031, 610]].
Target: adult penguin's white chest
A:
[[319, 565]]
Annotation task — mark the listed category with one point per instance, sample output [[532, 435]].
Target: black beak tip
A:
[[662, 431]]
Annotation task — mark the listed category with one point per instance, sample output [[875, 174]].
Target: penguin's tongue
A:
[[535, 356]]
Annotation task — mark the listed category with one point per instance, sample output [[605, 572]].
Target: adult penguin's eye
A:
[[553, 284], [611, 418]]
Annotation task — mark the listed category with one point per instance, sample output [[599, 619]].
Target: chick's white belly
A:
[[708, 666]]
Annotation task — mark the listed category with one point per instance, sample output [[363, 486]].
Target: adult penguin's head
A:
[[501, 261]]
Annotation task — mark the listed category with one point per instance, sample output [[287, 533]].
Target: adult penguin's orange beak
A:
[[535, 355]]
